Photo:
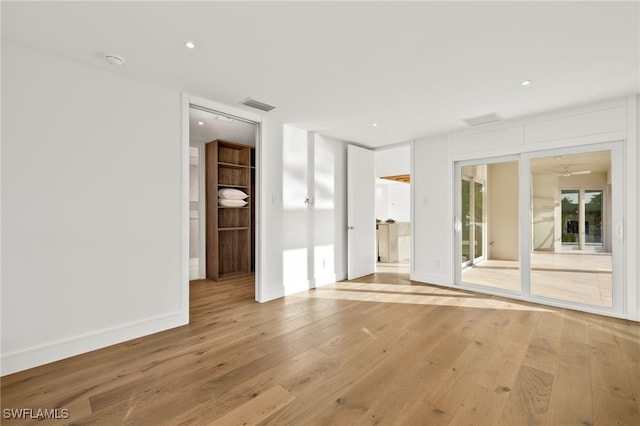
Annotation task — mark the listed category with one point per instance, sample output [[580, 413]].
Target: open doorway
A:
[[393, 210], [221, 196]]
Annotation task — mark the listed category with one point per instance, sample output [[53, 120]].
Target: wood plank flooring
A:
[[380, 350]]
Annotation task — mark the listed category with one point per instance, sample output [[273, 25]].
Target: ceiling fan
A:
[[567, 173]]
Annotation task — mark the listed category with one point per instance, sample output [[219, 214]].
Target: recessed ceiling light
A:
[[526, 82], [189, 44], [114, 60], [200, 123], [375, 124]]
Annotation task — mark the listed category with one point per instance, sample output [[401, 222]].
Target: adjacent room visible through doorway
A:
[[393, 227], [222, 206]]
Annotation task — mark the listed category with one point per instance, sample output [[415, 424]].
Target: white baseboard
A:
[[341, 276], [326, 279], [293, 288], [272, 294], [431, 278], [44, 354]]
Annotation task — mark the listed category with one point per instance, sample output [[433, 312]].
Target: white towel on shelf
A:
[[231, 194], [231, 203]]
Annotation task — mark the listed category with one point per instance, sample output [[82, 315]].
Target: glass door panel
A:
[[570, 217], [489, 216], [466, 221], [593, 217], [571, 255], [478, 218]]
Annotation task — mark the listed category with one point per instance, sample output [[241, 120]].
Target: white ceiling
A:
[[594, 162], [415, 68]]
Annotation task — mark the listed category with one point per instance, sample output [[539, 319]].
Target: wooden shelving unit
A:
[[229, 229]]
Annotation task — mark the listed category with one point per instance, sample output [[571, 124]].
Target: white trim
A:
[[525, 220], [441, 280], [539, 300], [257, 202], [268, 295], [341, 276], [392, 146], [543, 117], [202, 212], [64, 348], [631, 210], [224, 108], [542, 146], [297, 287], [412, 197], [184, 209]]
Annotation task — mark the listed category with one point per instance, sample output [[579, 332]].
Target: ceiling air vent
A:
[[257, 104], [483, 119]]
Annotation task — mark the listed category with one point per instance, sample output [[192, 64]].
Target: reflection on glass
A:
[[593, 204], [489, 216], [571, 253], [194, 206], [478, 219], [570, 217], [466, 217]]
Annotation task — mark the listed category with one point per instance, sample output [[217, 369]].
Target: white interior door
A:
[[361, 219]]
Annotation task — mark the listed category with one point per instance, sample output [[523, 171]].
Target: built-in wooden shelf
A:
[[230, 240]]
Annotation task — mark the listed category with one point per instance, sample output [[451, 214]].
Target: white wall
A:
[[295, 189], [330, 208], [92, 194], [393, 199], [393, 161], [270, 221], [400, 202], [432, 220], [310, 242], [382, 200]]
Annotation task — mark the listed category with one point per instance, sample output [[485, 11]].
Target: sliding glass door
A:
[[572, 195], [488, 221], [546, 226]]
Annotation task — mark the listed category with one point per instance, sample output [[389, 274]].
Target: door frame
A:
[[187, 102], [619, 291], [618, 213], [457, 242]]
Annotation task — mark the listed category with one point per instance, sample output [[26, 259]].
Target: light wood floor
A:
[[379, 350]]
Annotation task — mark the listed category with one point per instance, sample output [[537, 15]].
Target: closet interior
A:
[[222, 196]]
